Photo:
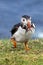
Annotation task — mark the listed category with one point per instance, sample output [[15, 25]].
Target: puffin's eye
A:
[[23, 19]]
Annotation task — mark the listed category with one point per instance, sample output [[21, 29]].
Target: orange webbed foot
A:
[[14, 42]]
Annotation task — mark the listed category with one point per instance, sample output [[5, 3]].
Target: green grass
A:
[[18, 56]]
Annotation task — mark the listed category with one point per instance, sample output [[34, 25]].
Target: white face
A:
[[25, 22]]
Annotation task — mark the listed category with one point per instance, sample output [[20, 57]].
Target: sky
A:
[[11, 12]]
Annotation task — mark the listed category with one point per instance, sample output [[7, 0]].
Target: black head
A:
[[26, 17]]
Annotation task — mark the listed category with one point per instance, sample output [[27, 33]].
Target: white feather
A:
[[21, 35]]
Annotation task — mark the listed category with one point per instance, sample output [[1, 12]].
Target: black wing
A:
[[15, 28]]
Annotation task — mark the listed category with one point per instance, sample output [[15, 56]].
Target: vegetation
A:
[[18, 56]]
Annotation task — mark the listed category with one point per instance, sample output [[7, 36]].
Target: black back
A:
[[15, 28]]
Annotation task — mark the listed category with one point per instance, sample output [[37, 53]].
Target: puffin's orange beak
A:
[[29, 25]]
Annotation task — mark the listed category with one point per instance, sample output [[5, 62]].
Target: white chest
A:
[[21, 35]]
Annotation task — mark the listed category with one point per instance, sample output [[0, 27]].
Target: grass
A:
[[18, 56]]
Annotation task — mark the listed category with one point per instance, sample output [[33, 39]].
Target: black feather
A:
[[15, 28], [26, 16]]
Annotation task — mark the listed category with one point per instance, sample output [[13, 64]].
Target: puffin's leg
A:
[[14, 42], [26, 46]]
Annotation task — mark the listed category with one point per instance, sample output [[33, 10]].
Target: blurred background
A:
[[12, 10]]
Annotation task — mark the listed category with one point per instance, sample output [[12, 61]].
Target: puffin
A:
[[22, 32]]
